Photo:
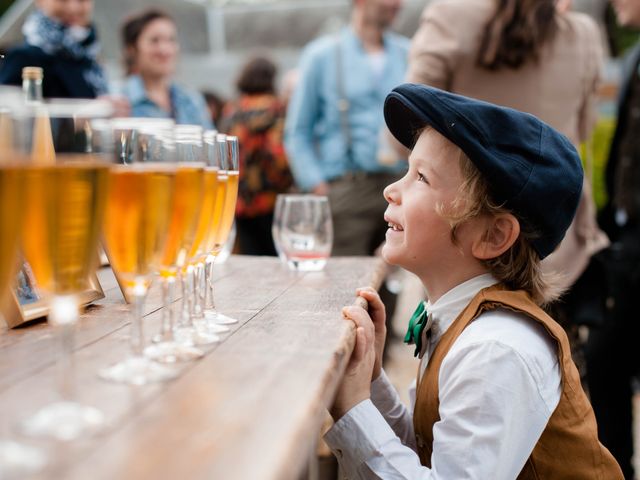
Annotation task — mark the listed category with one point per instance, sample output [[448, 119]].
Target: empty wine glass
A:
[[306, 232], [276, 227]]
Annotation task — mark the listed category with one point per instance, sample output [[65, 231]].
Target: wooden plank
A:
[[250, 409], [29, 350]]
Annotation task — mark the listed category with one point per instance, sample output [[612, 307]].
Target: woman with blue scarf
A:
[[60, 38]]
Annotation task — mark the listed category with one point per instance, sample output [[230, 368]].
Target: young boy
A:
[[489, 192]]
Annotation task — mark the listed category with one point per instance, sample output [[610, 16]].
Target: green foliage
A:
[[619, 38], [600, 142]]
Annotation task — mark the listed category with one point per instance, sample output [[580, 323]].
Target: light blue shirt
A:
[[188, 107], [314, 138]]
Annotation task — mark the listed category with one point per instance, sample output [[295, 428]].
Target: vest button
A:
[[419, 440]]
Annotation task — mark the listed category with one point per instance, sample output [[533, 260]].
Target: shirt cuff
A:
[[359, 435]]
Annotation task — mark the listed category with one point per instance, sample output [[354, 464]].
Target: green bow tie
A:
[[418, 322]]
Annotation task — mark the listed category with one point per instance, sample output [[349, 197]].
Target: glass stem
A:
[[66, 373], [137, 333], [170, 312], [185, 314], [64, 315], [197, 291], [168, 283], [210, 304]]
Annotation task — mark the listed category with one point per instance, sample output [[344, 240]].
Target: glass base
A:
[[137, 371], [172, 352], [64, 421], [212, 327], [194, 336], [307, 264], [18, 460], [218, 318]]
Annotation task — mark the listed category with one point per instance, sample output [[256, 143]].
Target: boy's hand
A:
[[356, 383], [378, 316]]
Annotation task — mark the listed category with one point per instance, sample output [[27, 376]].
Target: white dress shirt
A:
[[498, 386]]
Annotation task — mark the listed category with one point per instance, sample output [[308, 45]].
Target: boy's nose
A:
[[390, 193]]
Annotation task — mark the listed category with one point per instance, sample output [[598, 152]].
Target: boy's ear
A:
[[500, 234]]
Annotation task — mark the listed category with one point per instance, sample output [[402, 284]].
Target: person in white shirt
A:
[[489, 192]]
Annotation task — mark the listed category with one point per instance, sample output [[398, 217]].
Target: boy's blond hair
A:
[[519, 268]]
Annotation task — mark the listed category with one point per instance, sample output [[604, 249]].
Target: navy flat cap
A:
[[531, 168]]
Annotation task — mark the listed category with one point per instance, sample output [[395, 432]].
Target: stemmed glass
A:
[[276, 227], [190, 154], [15, 458], [228, 178], [136, 226], [66, 185], [306, 231], [210, 217]]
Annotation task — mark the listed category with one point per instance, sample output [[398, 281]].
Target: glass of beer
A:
[[228, 177], [139, 204], [16, 459], [188, 203], [65, 186]]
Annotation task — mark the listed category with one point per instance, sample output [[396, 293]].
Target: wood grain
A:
[[250, 409]]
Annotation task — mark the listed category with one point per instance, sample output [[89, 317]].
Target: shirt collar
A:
[[356, 41], [135, 89], [447, 308], [137, 93]]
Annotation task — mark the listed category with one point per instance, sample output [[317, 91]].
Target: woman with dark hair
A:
[[532, 55], [61, 38], [256, 118], [151, 48]]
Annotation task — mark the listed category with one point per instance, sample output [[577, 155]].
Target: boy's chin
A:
[[389, 255]]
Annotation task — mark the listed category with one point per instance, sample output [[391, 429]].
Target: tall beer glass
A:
[[136, 227], [16, 459], [228, 178], [66, 188]]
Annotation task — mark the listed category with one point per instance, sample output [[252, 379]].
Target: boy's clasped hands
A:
[[365, 363]]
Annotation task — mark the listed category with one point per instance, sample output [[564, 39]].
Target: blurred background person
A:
[[256, 117], [612, 350], [535, 56], [215, 104], [334, 121], [289, 83], [150, 41], [59, 37]]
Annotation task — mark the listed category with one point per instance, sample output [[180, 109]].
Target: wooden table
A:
[[250, 409]]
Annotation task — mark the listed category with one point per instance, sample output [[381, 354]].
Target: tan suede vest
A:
[[569, 446]]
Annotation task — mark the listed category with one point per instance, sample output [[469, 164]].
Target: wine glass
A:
[[65, 184], [16, 459], [228, 178], [306, 232], [276, 227], [139, 198]]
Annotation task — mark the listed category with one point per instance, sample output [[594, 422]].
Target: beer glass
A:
[[16, 459], [228, 178], [66, 185], [139, 204]]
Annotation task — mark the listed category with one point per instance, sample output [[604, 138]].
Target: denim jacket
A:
[[188, 107]]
